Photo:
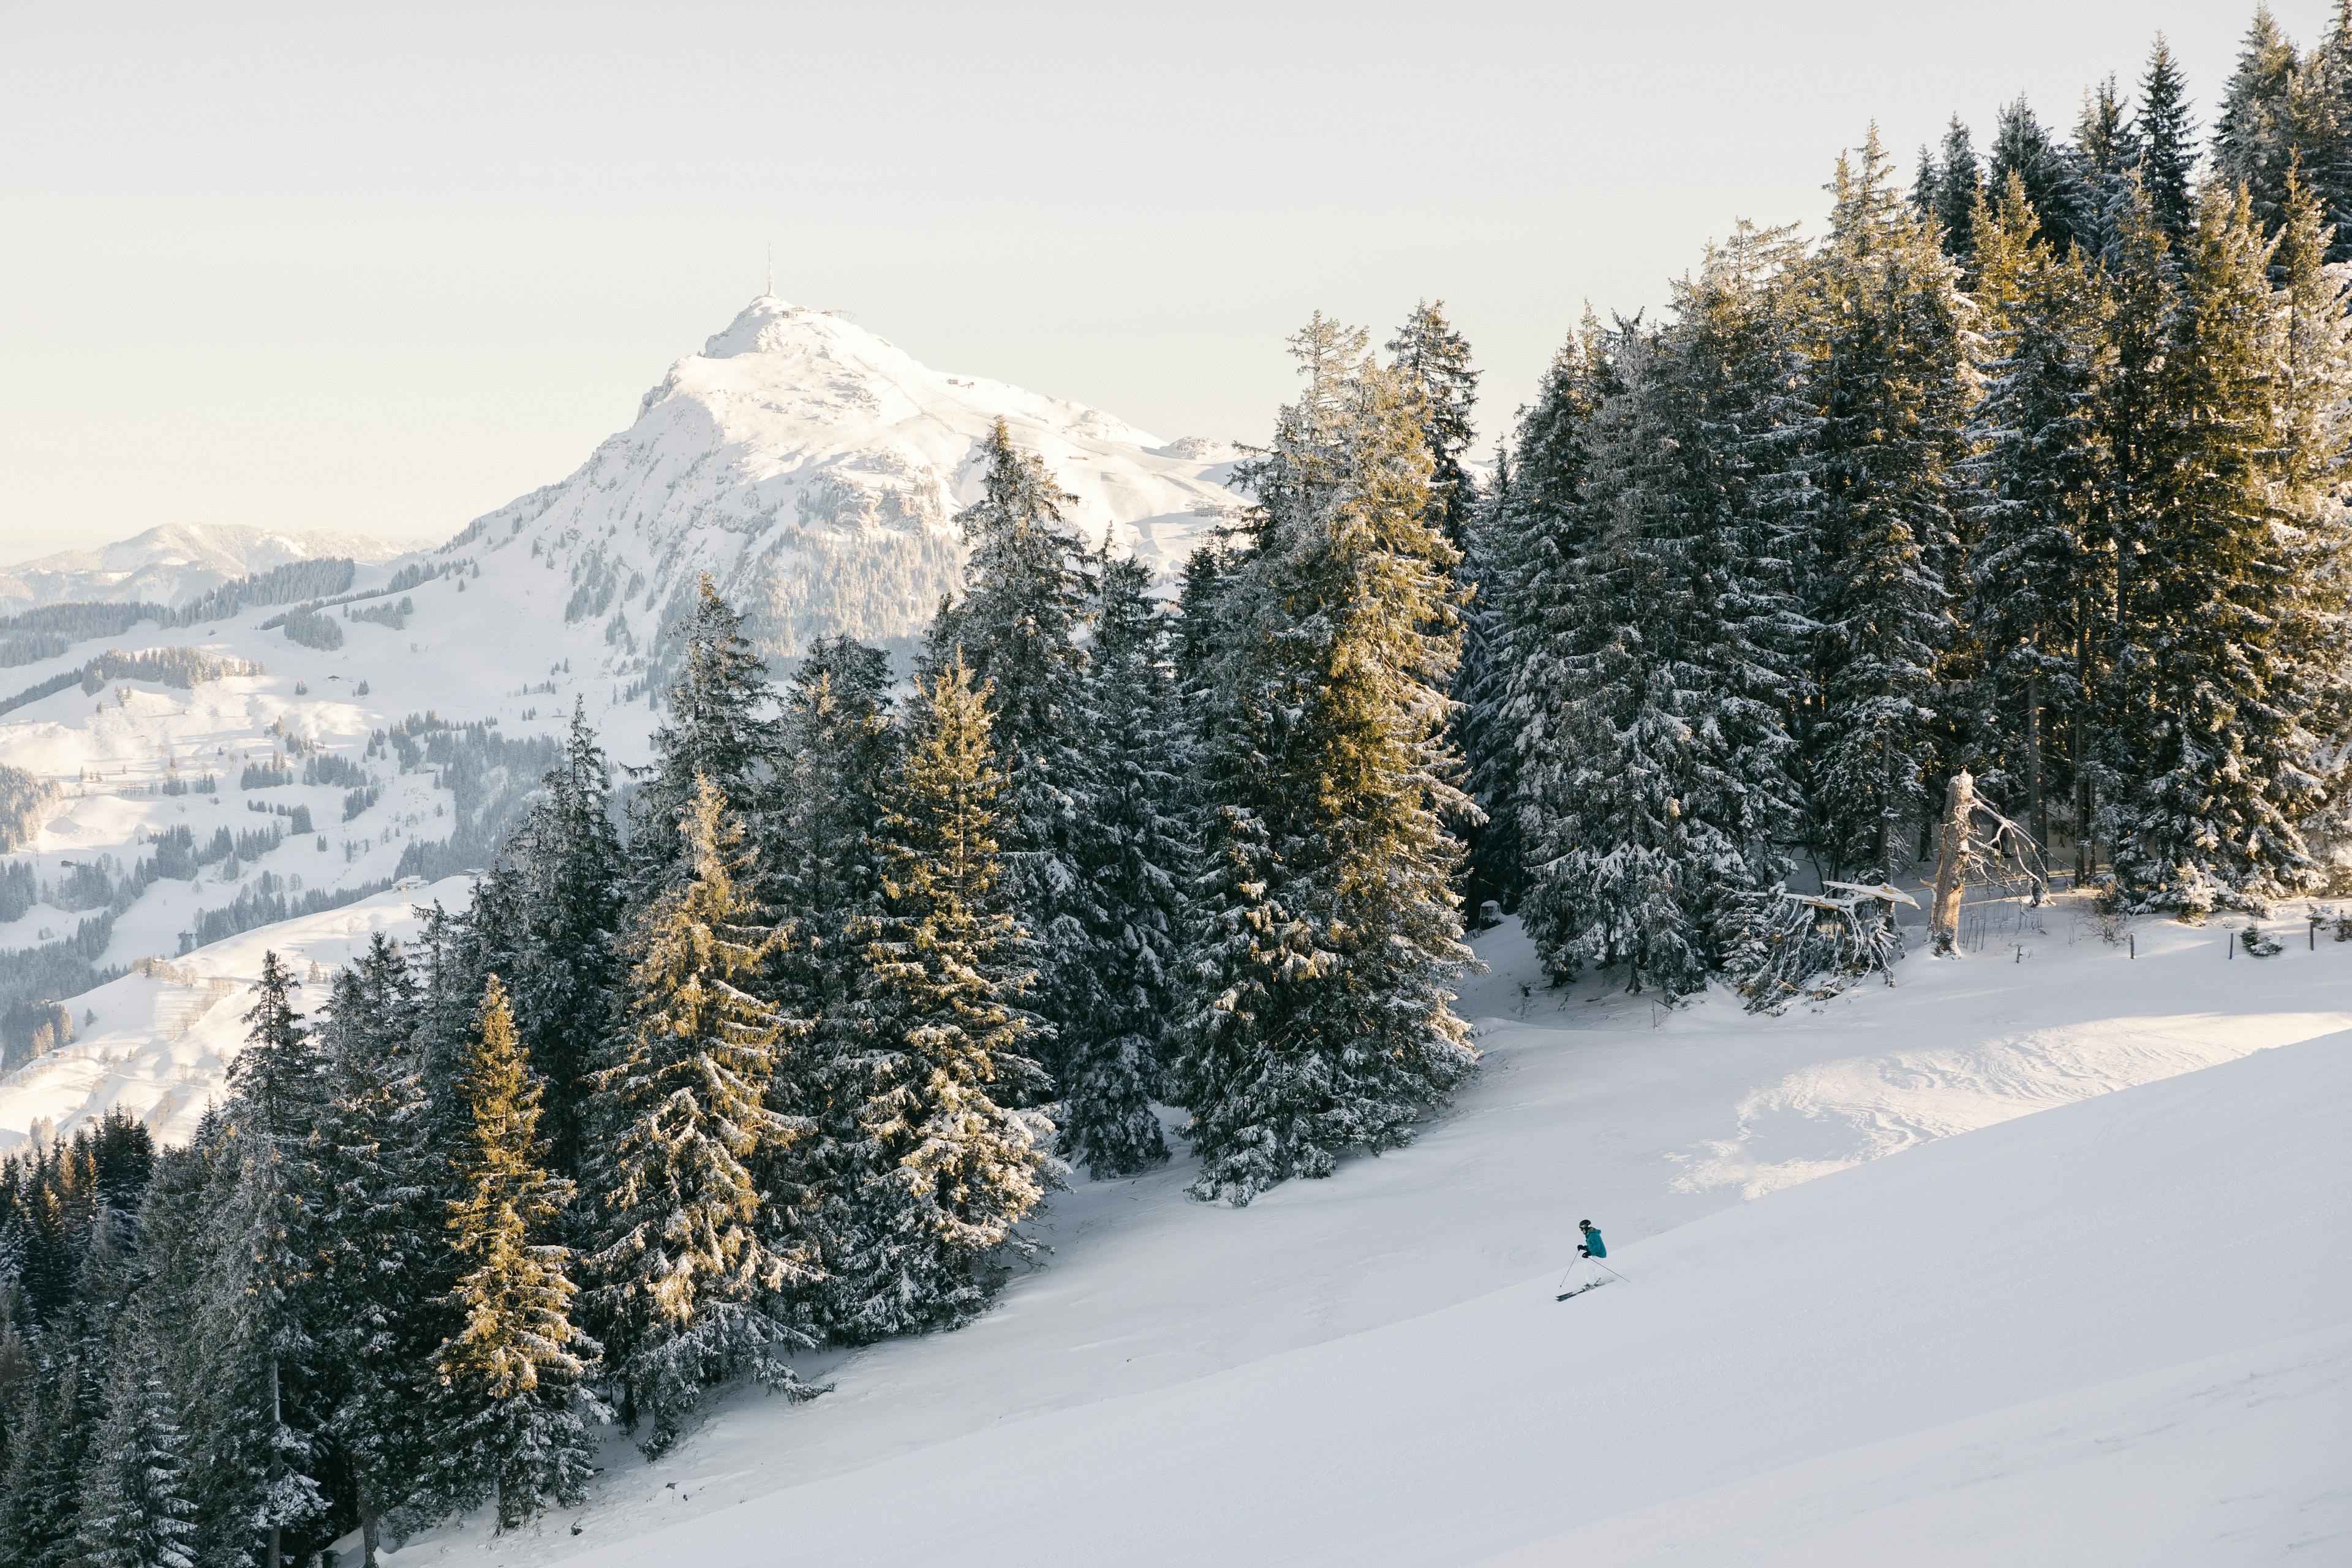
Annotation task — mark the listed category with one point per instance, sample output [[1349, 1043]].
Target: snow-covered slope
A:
[[173, 563], [2089, 1305], [157, 1041], [808, 465]]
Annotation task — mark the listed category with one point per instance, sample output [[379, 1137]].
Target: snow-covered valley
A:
[[386, 731], [2033, 1259]]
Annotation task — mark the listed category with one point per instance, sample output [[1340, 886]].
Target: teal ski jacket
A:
[[1593, 1244]]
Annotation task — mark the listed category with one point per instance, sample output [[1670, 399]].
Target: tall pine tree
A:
[[1890, 389], [947, 1169], [1027, 591], [514, 1373], [1320, 1018], [686, 1282], [1136, 858]]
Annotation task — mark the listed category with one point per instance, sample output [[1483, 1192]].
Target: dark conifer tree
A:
[[1027, 591], [1529, 551], [1135, 854], [2034, 575], [1662, 812], [1959, 182], [2327, 158], [378, 1262], [2212, 816], [2166, 136], [1433, 357], [135, 1509], [565, 971], [2106, 149], [1889, 385], [263, 1485], [822, 860], [2255, 138], [2053, 183], [2134, 435], [947, 1169], [718, 729]]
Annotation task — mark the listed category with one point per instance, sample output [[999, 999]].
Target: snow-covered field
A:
[[157, 1041], [2034, 1259]]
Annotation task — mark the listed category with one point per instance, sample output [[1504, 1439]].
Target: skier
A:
[[1588, 1252]]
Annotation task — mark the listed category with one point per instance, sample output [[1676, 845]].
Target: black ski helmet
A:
[[1584, 1225]]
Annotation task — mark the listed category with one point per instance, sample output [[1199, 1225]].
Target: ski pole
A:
[[1606, 1270]]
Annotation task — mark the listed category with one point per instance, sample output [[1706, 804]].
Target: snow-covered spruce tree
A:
[[1490, 860], [377, 1260], [451, 958], [262, 1489], [2105, 150], [823, 864], [2327, 164], [1889, 385], [1661, 809], [2034, 579], [1608, 847], [1194, 644], [2312, 402], [56, 1424], [947, 1169], [684, 1285], [1430, 355], [1136, 857], [177, 1257], [2166, 138], [2054, 182], [1328, 933], [1526, 551], [514, 1402], [1027, 590], [2256, 137], [2142, 291], [74, 1356], [135, 1509], [1949, 190], [564, 972], [717, 731], [2220, 750], [1436, 360], [819, 857]]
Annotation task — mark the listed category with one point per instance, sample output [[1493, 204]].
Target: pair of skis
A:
[[1596, 1284]]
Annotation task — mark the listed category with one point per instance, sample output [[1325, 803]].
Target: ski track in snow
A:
[[1837, 1114]]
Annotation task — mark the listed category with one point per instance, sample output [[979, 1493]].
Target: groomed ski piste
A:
[[2039, 1257]]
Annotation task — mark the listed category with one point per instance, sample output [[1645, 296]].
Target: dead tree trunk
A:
[[1959, 809]]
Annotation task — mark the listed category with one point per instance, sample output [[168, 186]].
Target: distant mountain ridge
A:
[[176, 563]]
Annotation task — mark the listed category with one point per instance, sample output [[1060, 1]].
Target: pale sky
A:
[[385, 268]]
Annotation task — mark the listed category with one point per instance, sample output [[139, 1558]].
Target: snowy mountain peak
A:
[[765, 326], [814, 467]]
